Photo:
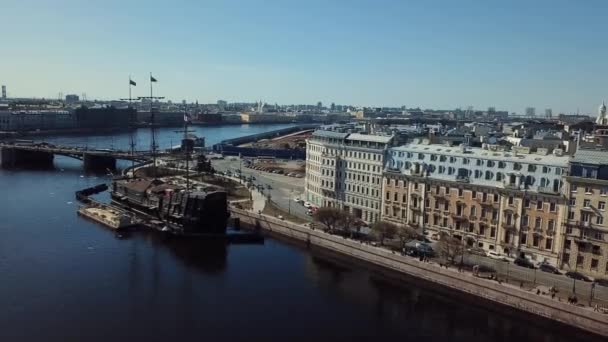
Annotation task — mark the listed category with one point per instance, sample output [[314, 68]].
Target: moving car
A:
[[602, 282], [497, 256], [548, 268], [577, 276], [523, 262]]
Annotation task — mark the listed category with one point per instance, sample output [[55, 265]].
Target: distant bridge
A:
[[42, 154]]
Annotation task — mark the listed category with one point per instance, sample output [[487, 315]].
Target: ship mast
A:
[[152, 123], [132, 127]]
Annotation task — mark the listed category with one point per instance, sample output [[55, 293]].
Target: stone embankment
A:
[[511, 296]]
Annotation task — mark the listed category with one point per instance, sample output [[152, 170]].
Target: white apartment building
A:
[[344, 170]]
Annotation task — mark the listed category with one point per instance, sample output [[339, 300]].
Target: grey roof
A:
[[370, 138], [598, 157], [329, 134]]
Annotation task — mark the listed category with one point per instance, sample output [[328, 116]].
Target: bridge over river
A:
[[42, 155]]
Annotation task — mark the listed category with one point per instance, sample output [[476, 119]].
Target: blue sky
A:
[[432, 54]]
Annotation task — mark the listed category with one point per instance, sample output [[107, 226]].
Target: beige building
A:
[[585, 246], [501, 201]]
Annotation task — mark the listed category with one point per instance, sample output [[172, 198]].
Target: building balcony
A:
[[459, 217], [548, 190], [442, 196], [392, 170], [550, 232], [507, 243], [416, 209], [512, 186], [494, 222], [462, 179], [473, 218], [508, 226]]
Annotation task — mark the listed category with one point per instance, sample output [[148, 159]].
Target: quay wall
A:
[[489, 290]]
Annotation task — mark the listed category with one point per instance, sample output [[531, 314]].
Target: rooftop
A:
[[371, 138], [329, 134], [480, 153], [596, 157]]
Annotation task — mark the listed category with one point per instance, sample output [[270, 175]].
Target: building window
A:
[[522, 238], [479, 162], [539, 205], [388, 196], [502, 164], [587, 203], [601, 205], [588, 190], [525, 220], [495, 197], [603, 191], [511, 200], [548, 243], [571, 215], [538, 223], [489, 175], [421, 156], [594, 263], [535, 240], [493, 232], [552, 206], [527, 203], [531, 168], [599, 220], [465, 161], [516, 166], [396, 197], [550, 225], [460, 193], [573, 201], [490, 163]]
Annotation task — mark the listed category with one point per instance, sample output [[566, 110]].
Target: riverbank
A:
[[503, 294]]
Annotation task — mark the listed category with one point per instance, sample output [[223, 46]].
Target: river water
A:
[[63, 278]]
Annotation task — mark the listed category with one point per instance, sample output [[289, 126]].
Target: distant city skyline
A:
[[444, 54]]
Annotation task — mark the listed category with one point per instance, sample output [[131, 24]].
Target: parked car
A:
[[299, 175], [307, 204], [548, 268], [577, 276], [523, 262], [297, 200], [309, 212], [602, 282], [497, 256]]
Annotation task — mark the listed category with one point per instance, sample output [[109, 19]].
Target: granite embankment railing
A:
[[511, 296]]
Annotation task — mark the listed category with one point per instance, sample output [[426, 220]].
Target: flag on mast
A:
[[152, 79], [131, 82]]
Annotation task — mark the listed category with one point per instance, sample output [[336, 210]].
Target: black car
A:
[[523, 262], [549, 268], [602, 282], [577, 276]]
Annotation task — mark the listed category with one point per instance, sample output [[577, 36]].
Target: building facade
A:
[[36, 120], [507, 202], [344, 170], [586, 227]]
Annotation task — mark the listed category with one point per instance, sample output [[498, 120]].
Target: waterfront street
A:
[[284, 190]]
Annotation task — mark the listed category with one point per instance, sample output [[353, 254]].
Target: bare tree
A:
[[329, 217], [349, 223], [405, 234], [450, 247], [384, 230]]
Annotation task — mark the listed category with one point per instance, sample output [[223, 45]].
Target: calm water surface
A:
[[63, 278]]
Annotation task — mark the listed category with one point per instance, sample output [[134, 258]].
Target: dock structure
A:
[[42, 155]]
